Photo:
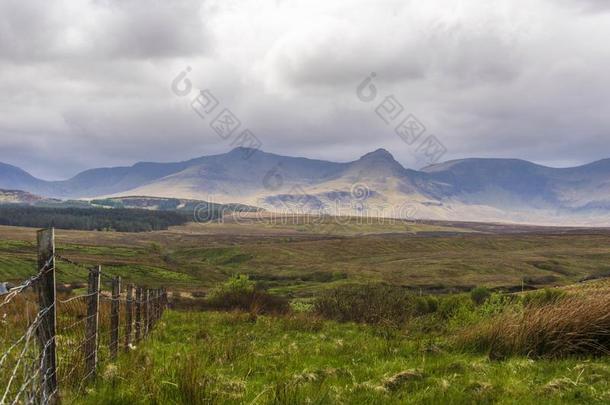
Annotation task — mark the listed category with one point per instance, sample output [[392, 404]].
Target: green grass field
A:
[[201, 358], [303, 355], [301, 264]]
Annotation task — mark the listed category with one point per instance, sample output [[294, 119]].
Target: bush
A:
[[575, 325], [240, 293], [372, 303], [479, 295], [426, 305], [452, 305], [258, 302], [543, 297], [239, 284]]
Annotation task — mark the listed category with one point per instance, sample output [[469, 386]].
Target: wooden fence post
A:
[[48, 322], [157, 297], [91, 339], [128, 316], [160, 303], [163, 300], [151, 307], [138, 313], [114, 317], [146, 311]]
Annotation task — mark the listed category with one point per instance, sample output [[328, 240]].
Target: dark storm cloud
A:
[[88, 83]]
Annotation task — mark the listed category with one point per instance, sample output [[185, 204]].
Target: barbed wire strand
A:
[[29, 333], [29, 282], [33, 385]]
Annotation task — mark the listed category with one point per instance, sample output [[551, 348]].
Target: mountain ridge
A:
[[471, 188]]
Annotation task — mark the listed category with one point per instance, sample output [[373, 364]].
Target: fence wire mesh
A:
[[90, 327]]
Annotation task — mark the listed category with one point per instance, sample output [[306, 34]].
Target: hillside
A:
[[508, 190], [18, 197]]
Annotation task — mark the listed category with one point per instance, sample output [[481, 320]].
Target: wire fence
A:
[[54, 342]]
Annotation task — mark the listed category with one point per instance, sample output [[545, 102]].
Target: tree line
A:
[[90, 219]]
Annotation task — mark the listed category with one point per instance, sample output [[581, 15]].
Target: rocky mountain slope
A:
[[376, 185]]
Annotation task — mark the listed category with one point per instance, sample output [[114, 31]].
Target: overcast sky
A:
[[88, 83]]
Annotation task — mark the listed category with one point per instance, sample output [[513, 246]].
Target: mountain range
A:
[[508, 190]]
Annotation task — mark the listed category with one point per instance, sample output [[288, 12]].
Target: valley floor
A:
[[300, 260]]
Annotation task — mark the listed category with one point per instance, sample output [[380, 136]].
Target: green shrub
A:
[[426, 305], [155, 248], [301, 306], [543, 297], [239, 283], [371, 303], [240, 293], [451, 305], [479, 295]]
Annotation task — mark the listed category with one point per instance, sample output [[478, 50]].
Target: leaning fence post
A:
[[128, 316], [47, 325], [114, 317], [91, 339], [138, 313]]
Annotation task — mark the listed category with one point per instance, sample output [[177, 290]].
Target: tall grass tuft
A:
[[194, 386], [574, 325], [373, 304]]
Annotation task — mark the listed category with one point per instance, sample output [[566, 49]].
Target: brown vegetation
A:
[[373, 304], [574, 325], [257, 302]]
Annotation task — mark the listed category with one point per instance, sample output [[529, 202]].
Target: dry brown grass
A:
[[18, 315], [254, 302], [575, 325]]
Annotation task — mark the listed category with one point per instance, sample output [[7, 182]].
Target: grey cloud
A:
[[591, 6], [156, 29], [87, 83], [27, 29], [339, 51], [55, 30]]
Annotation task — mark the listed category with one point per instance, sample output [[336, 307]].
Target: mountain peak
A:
[[243, 149], [379, 163], [379, 154]]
